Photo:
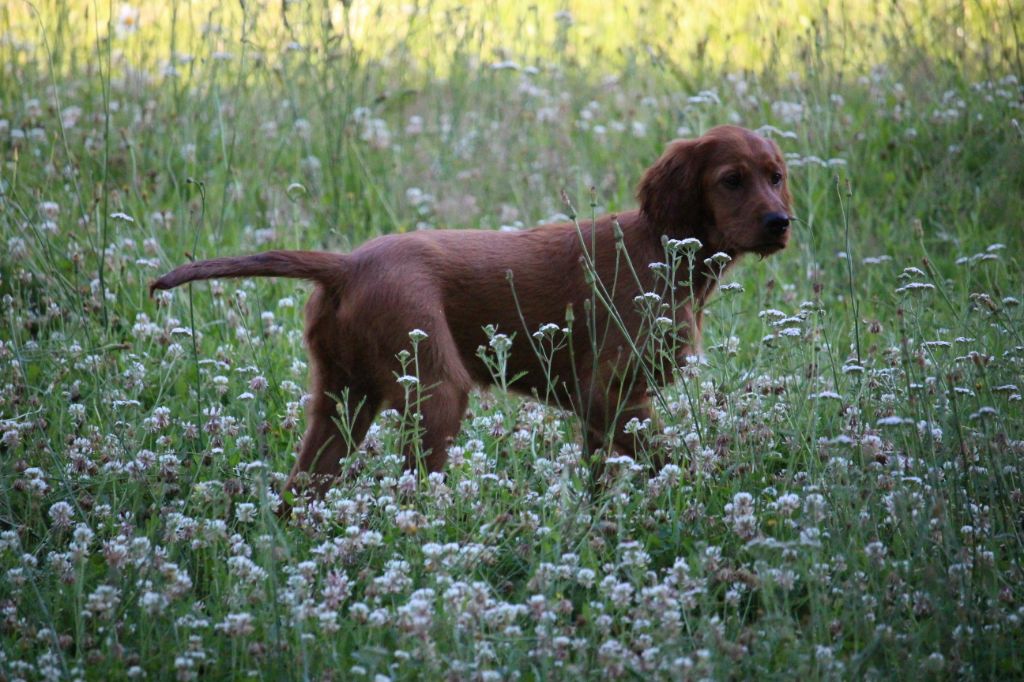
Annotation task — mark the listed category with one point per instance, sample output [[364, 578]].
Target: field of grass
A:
[[846, 493]]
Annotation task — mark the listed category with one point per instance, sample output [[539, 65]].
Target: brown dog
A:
[[726, 188]]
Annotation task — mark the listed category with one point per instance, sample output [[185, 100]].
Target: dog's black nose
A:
[[776, 223]]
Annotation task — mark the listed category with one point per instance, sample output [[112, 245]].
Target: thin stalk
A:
[[849, 265]]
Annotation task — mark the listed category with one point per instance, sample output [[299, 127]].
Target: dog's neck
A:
[[707, 274], [643, 241]]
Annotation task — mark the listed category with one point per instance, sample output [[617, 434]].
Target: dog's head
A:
[[727, 187]]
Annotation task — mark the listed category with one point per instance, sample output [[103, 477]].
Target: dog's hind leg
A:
[[445, 388], [442, 417], [338, 418], [324, 446], [331, 434]]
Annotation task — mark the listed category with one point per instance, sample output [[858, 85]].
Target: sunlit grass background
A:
[[848, 501]]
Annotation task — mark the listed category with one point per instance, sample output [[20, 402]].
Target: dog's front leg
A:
[[606, 428]]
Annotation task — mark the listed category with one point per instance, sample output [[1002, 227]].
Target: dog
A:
[[727, 188]]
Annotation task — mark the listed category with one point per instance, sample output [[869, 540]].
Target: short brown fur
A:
[[726, 188]]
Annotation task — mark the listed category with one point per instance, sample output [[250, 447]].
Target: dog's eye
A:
[[776, 178], [732, 180]]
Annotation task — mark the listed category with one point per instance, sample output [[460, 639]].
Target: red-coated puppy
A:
[[726, 188]]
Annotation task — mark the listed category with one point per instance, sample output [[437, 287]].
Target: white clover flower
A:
[[153, 603], [49, 210], [718, 258], [246, 570], [788, 112], [810, 537], [815, 507], [245, 512], [414, 126], [634, 426], [788, 503], [935, 662], [658, 266], [705, 97], [915, 287], [911, 272], [506, 65], [61, 514], [220, 384], [303, 129], [742, 504], [548, 329], [237, 625], [688, 245], [875, 551], [116, 552], [11, 438], [9, 540], [102, 602], [875, 260], [740, 514], [37, 481], [375, 132], [407, 521], [984, 411], [500, 343], [830, 395], [892, 420], [670, 475]]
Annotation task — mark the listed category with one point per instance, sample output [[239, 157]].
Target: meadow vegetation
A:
[[845, 493]]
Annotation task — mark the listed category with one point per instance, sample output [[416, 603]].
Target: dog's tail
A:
[[319, 266]]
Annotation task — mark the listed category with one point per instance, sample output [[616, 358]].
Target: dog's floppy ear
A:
[[670, 193]]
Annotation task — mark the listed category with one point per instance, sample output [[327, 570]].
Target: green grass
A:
[[852, 506]]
